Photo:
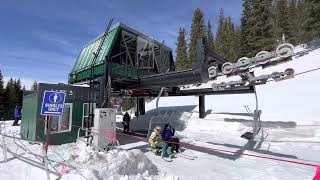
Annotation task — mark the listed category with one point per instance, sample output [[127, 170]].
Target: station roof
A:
[[85, 58]]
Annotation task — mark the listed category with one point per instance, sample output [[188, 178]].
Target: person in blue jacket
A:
[[167, 135], [17, 115]]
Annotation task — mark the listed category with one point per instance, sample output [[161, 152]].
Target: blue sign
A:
[[53, 103]]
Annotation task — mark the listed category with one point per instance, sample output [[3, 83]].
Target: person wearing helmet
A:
[[155, 142], [168, 136]]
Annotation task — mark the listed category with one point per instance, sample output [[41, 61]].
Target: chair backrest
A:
[[158, 121]]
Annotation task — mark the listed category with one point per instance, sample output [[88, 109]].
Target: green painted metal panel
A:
[[33, 124], [68, 137], [63, 137], [77, 64], [117, 69], [29, 116], [85, 58]]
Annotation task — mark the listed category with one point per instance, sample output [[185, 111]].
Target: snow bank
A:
[[122, 163], [131, 164], [81, 162]]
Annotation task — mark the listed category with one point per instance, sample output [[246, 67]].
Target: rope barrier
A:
[[213, 149], [201, 147], [228, 151], [64, 161]]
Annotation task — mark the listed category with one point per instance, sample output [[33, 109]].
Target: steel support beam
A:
[[202, 106], [142, 106]]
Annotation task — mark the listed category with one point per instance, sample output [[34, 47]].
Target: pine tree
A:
[[210, 38], [2, 108], [197, 31], [312, 21], [181, 51], [1, 83], [263, 38], [283, 19], [247, 24], [19, 92], [10, 98], [294, 28], [237, 43], [231, 44], [221, 36], [34, 86], [299, 25], [226, 42]]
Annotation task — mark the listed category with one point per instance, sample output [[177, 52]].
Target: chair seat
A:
[[247, 135]]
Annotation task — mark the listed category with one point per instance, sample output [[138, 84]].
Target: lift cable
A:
[[300, 73]]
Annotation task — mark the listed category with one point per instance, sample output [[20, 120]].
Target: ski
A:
[[190, 155], [185, 156], [166, 159]]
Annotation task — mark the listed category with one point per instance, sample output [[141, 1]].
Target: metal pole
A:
[[45, 148], [256, 120], [157, 102], [47, 132], [45, 158]]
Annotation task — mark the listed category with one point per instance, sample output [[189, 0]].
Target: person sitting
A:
[[155, 142], [126, 122], [167, 135]]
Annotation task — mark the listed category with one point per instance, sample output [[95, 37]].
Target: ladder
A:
[[92, 89]]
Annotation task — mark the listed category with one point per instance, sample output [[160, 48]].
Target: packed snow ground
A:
[[290, 120], [74, 161]]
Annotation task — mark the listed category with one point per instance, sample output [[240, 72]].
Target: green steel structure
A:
[[130, 53]]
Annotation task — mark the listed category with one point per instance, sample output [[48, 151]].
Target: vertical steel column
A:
[[45, 160], [137, 109], [142, 106], [202, 108], [45, 147]]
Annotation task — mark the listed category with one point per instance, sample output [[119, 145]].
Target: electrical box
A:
[[104, 127]]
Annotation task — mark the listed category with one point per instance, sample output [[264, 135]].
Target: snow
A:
[[290, 120], [89, 163]]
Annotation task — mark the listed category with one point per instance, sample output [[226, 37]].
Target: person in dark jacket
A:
[[17, 115], [167, 135], [126, 121]]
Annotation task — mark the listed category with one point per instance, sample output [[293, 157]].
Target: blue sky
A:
[[40, 40]]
